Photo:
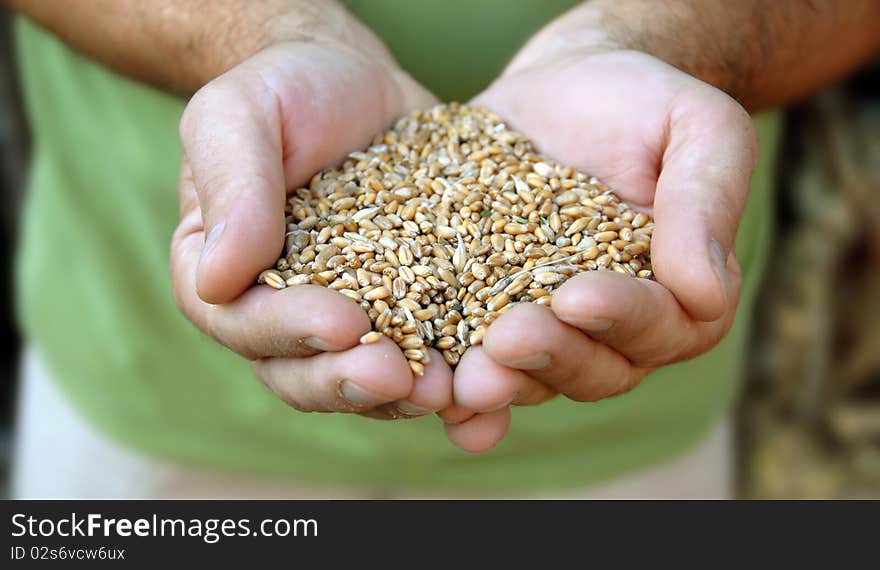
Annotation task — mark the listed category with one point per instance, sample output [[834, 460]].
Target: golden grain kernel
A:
[[436, 234], [425, 314], [637, 248], [415, 354], [371, 337], [640, 220], [476, 337], [272, 278], [515, 228], [605, 236], [451, 357], [445, 343], [380, 292], [301, 279], [498, 301]]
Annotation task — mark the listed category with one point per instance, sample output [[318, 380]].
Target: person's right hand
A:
[[250, 136]]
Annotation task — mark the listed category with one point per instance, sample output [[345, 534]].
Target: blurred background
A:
[[809, 419], [13, 157]]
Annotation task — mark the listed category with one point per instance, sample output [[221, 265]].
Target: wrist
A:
[[237, 35], [670, 34], [578, 33]]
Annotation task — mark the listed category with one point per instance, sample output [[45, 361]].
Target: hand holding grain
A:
[[249, 136], [666, 142]]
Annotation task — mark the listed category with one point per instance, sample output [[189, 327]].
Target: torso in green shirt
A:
[[94, 294]]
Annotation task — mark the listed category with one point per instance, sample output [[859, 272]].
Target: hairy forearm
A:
[[179, 45], [762, 52]]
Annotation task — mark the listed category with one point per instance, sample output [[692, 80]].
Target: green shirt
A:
[[94, 294]]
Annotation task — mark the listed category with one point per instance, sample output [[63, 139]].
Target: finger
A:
[[531, 339], [354, 380], [455, 414], [295, 321], [231, 135], [269, 125], [483, 385], [431, 392], [481, 432], [701, 193], [639, 318]]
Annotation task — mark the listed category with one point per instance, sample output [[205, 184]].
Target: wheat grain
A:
[[445, 222]]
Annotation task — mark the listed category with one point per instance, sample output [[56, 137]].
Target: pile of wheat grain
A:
[[445, 222]]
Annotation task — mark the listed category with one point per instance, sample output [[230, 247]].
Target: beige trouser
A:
[[58, 455]]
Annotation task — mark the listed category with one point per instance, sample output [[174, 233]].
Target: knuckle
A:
[[599, 384], [270, 380], [190, 116], [204, 99], [584, 396], [632, 380], [701, 344], [600, 391], [535, 393], [676, 346], [736, 120], [212, 182], [210, 325], [215, 323], [579, 389], [293, 402], [298, 406]]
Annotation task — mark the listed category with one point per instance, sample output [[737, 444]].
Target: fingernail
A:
[[411, 409], [211, 238], [594, 325], [534, 362], [318, 344], [358, 396], [719, 263]]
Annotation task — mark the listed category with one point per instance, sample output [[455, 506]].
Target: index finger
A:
[[640, 319], [264, 322]]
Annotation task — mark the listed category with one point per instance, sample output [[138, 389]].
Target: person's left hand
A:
[[666, 143]]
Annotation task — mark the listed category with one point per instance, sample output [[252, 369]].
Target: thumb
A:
[[232, 140], [232, 134], [701, 193]]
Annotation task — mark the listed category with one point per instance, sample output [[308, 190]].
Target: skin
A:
[[654, 138], [257, 131], [653, 101], [181, 45], [591, 91]]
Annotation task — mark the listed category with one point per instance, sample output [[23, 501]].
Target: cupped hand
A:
[[250, 136], [666, 143]]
